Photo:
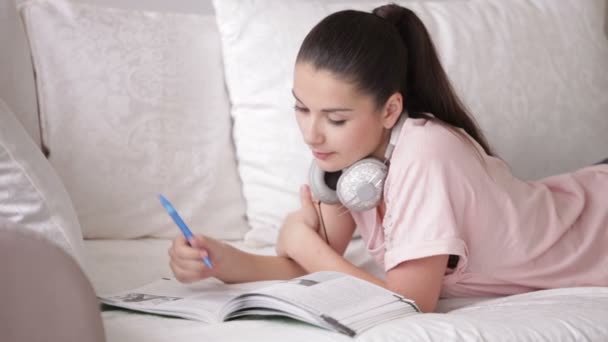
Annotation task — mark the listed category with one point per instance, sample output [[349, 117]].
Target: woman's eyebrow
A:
[[334, 110], [325, 110], [296, 97]]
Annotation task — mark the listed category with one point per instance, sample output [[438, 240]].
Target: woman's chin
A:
[[328, 166]]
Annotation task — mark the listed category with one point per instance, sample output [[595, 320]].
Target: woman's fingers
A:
[[184, 275], [189, 270], [184, 252], [187, 262], [196, 266]]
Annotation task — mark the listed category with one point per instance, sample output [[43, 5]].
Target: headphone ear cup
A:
[[318, 186], [361, 185]]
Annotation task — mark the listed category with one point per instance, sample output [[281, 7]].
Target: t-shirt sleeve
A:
[[425, 207]]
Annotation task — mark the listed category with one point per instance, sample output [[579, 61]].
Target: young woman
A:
[[452, 220]]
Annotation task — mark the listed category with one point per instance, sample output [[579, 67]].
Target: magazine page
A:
[[198, 301], [341, 297]]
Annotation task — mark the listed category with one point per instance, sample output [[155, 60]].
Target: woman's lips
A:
[[322, 155]]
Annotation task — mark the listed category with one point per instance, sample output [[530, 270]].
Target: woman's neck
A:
[[381, 150]]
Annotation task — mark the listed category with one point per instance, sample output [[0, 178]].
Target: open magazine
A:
[[330, 300]]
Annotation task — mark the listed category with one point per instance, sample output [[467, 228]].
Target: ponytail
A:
[[427, 88]]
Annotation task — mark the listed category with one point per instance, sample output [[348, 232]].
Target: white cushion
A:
[[133, 105], [32, 196], [533, 73]]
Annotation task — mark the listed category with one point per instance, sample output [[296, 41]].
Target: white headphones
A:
[[359, 187]]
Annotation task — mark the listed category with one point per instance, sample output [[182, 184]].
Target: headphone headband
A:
[[395, 132]]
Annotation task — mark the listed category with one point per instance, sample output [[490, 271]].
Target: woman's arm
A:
[[305, 251], [254, 267], [336, 226], [333, 223], [419, 279], [230, 264]]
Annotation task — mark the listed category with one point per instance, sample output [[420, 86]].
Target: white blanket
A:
[[572, 314]]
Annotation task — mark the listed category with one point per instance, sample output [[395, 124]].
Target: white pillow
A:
[[31, 194], [533, 73], [133, 105]]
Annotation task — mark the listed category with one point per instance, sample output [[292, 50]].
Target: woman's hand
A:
[[298, 222], [187, 258]]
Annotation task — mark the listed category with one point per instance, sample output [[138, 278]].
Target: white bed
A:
[[571, 314]]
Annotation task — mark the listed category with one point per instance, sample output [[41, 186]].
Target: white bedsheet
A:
[[572, 314]]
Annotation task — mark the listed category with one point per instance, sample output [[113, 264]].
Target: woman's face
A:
[[339, 124]]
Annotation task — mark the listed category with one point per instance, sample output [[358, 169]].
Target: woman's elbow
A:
[[427, 306], [425, 300]]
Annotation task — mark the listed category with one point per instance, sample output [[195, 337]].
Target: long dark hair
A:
[[388, 51]]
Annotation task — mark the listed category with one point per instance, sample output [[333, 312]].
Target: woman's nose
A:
[[312, 133]]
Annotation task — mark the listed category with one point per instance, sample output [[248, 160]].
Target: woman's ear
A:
[[392, 110]]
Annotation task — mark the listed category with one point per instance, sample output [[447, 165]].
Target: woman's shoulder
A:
[[430, 139]]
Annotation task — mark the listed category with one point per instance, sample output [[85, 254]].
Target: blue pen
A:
[[181, 224]]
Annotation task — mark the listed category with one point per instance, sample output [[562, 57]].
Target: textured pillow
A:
[[532, 72], [31, 195], [133, 104]]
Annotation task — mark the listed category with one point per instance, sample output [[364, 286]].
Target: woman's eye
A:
[[337, 122], [300, 109]]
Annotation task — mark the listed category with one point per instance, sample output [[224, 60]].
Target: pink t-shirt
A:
[[445, 195]]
